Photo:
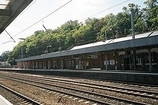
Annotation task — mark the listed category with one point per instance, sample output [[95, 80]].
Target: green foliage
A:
[[151, 14], [74, 33], [4, 56]]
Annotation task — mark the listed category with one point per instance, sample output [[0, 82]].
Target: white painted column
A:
[[106, 62]]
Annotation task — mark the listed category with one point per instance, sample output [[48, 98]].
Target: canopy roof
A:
[[141, 40], [9, 10]]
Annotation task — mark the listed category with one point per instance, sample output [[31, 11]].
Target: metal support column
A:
[[106, 62], [79, 67], [22, 57], [150, 67], [48, 66], [134, 59], [62, 63]]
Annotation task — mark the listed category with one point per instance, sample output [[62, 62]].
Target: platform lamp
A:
[[47, 48], [23, 39]]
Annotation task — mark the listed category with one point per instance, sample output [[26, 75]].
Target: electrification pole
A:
[[22, 53], [133, 38]]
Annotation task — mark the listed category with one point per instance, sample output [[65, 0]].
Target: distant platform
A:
[[4, 101], [132, 76]]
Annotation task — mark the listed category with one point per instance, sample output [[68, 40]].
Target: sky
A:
[[75, 10]]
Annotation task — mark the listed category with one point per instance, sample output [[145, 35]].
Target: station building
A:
[[123, 53]]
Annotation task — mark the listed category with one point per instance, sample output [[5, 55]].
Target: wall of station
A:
[[145, 59]]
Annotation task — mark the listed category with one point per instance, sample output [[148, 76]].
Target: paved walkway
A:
[[3, 101]]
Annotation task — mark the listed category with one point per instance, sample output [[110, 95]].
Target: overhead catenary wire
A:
[[13, 40], [26, 9], [16, 18], [65, 5], [62, 7], [7, 42], [106, 9], [10, 36], [44, 17]]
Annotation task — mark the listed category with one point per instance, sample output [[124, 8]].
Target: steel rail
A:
[[31, 101], [79, 90], [129, 91]]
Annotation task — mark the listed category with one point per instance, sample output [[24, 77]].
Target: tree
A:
[[4, 57], [151, 17], [73, 33]]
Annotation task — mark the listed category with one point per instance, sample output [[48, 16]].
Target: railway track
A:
[[17, 98], [85, 90], [130, 91]]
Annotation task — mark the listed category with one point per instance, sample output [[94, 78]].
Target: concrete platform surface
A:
[[4, 101]]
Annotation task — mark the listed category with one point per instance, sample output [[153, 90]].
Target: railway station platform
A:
[[4, 101], [131, 76]]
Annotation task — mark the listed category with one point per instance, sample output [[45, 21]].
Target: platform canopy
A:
[[9, 10], [145, 40]]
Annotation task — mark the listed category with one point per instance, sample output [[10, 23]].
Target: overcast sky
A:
[[75, 10]]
